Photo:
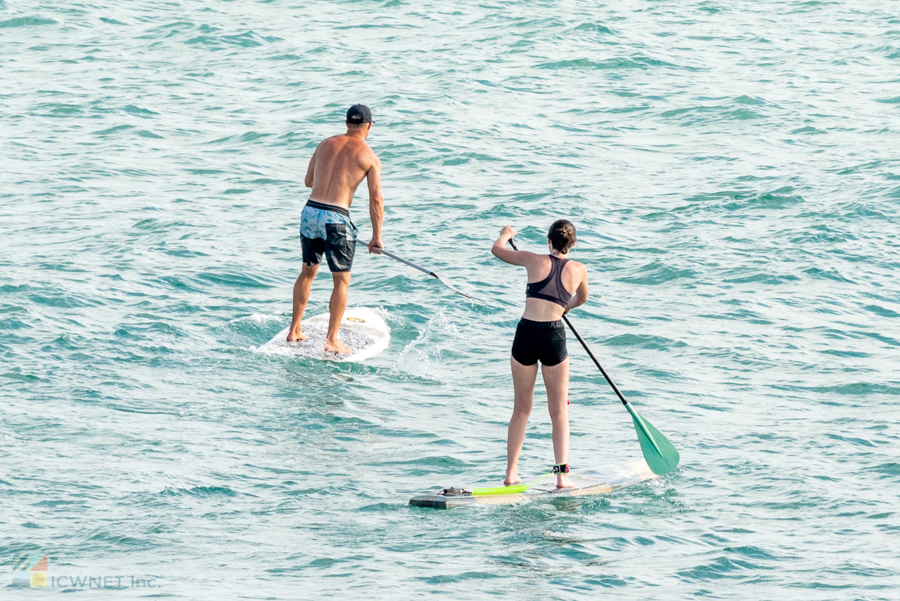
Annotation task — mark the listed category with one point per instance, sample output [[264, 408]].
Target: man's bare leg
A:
[[336, 306], [302, 289]]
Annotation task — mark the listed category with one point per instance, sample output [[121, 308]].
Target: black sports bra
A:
[[551, 287]]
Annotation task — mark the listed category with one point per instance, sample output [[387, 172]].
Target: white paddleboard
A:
[[363, 330], [593, 481]]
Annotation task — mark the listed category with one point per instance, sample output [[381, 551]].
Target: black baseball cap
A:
[[359, 113]]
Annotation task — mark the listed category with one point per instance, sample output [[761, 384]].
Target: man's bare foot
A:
[[562, 481], [337, 347], [296, 336]]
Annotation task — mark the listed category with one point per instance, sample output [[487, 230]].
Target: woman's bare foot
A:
[[512, 479], [337, 347], [296, 336], [562, 481]]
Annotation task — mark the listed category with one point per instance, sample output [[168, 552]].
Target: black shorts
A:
[[337, 247], [543, 341]]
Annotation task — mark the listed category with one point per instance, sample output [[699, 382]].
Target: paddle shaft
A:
[[594, 359], [423, 270], [405, 262], [588, 349], [402, 260]]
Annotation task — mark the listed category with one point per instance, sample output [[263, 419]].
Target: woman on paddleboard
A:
[[556, 285]]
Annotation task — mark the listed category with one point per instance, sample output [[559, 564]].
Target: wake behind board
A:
[[596, 481], [363, 330]]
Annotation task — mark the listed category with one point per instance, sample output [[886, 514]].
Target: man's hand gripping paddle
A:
[[661, 455]]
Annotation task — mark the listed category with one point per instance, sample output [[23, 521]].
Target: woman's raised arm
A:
[[508, 255]]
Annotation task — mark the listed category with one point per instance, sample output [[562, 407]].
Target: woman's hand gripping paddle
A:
[[661, 455]]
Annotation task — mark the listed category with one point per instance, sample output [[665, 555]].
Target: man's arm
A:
[[376, 204], [310, 171]]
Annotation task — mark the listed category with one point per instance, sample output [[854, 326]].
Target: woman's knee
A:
[[558, 411], [522, 408]]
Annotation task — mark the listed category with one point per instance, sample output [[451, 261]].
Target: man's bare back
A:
[[337, 167]]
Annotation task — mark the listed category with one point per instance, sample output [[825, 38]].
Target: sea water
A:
[[732, 171]]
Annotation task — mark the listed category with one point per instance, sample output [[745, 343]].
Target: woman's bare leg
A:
[[524, 377], [556, 380]]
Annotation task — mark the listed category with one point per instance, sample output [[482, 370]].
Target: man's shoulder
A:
[[364, 146], [333, 139], [327, 143], [349, 142], [367, 155]]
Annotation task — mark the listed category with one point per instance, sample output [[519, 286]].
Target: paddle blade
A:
[[660, 454], [457, 290], [501, 490]]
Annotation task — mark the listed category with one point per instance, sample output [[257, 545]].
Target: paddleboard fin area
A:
[[588, 482]]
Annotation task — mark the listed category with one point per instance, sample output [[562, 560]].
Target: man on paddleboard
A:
[[336, 168]]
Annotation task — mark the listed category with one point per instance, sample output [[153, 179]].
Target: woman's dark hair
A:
[[562, 235]]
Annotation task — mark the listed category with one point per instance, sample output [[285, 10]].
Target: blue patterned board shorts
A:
[[327, 229]]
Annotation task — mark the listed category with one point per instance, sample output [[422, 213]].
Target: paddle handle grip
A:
[[587, 348]]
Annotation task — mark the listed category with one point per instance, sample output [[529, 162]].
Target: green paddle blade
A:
[[660, 454]]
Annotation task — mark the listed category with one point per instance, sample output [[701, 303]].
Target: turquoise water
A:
[[732, 170]]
